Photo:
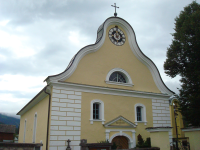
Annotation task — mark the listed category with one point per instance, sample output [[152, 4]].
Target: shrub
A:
[[142, 143], [105, 141], [114, 146]]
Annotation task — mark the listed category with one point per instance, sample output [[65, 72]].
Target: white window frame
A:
[[143, 111], [24, 130], [124, 73], [34, 127], [101, 111]]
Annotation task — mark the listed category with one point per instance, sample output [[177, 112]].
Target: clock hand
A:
[[117, 34]]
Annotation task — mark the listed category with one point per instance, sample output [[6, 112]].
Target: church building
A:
[[109, 91]]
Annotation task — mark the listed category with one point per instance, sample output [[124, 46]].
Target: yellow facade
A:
[[114, 106], [194, 137], [41, 128], [93, 68], [160, 139]]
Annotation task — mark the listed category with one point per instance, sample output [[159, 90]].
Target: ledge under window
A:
[[119, 83], [98, 120], [145, 122]]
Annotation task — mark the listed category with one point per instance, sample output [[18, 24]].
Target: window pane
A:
[[139, 116], [113, 77], [97, 106], [117, 77], [121, 78], [95, 111]]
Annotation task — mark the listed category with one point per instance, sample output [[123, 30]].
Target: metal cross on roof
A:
[[115, 14]]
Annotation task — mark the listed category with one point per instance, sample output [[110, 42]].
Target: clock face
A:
[[117, 36]]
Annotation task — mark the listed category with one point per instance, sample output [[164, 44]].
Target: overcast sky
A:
[[38, 38]]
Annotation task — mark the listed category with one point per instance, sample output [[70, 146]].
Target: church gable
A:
[[114, 49], [120, 122]]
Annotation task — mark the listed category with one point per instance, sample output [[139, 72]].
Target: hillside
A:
[[4, 119]]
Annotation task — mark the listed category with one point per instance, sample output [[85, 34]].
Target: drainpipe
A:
[[47, 136]]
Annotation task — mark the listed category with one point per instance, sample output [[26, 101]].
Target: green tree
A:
[[183, 58]]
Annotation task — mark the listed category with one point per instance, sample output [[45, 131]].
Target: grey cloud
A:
[[12, 107], [52, 59], [21, 12], [16, 94]]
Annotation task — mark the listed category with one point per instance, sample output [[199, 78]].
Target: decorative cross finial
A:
[[115, 14], [68, 141]]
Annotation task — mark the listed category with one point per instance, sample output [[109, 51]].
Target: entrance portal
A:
[[121, 142]]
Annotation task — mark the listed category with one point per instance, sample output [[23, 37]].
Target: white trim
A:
[[133, 45], [159, 130], [110, 91], [34, 127], [118, 83], [24, 130], [190, 129], [171, 100], [143, 111], [125, 74], [132, 141], [123, 130], [101, 113], [132, 125]]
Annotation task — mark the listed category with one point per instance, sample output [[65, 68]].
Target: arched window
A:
[[140, 113], [118, 76], [97, 111]]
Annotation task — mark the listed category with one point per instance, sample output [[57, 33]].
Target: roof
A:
[[34, 101], [5, 128]]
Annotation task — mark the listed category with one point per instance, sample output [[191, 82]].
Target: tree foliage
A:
[[183, 58]]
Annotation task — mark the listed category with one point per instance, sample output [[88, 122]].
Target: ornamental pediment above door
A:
[[120, 122]]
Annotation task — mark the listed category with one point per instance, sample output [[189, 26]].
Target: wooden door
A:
[[121, 142]]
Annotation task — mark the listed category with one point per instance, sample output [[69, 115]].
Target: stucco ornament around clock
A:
[[116, 36]]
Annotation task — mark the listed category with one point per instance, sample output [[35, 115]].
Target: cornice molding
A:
[[159, 129], [110, 91], [118, 83], [190, 129], [94, 47], [90, 89]]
